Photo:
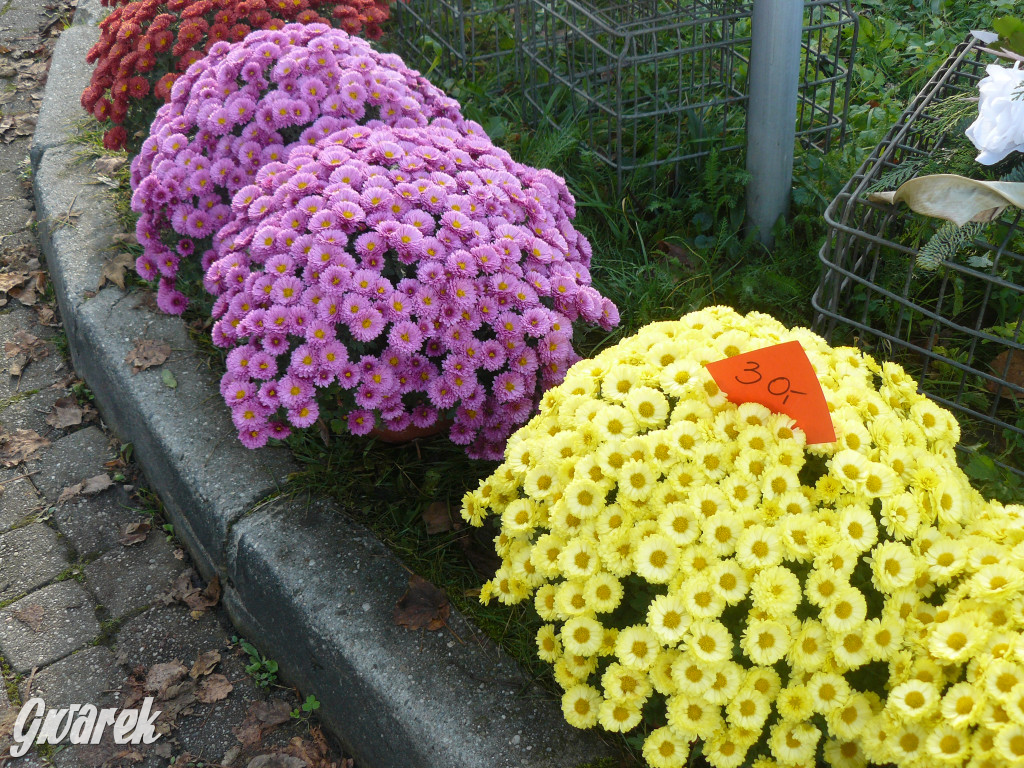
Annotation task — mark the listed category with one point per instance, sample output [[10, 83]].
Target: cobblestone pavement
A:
[[98, 605]]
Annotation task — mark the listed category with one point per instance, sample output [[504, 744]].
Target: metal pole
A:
[[776, 29]]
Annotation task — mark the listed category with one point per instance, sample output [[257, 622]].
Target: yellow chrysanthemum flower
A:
[[663, 748], [548, 646], [637, 647], [656, 558], [580, 706]]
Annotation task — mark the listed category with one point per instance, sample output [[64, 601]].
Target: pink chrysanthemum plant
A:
[[248, 104], [404, 276]]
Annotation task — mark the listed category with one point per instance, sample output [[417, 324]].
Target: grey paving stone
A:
[[166, 633], [18, 498], [20, 18], [68, 623], [89, 676], [31, 413], [70, 460], [30, 557], [93, 524], [37, 374], [126, 579]]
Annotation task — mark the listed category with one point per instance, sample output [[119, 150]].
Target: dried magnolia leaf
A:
[[955, 198], [147, 353], [66, 413], [423, 606], [114, 270], [213, 688], [30, 615]]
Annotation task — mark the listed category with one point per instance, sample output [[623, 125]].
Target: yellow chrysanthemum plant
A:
[[707, 576]]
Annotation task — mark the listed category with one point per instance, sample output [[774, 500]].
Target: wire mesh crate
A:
[[956, 320], [458, 38], [653, 83]]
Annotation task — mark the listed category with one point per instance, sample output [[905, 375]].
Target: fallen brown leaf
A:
[[147, 353], [135, 533], [24, 349], [1009, 366], [263, 716], [108, 165], [201, 600], [437, 518], [66, 413], [114, 270], [423, 606], [89, 487], [213, 688], [20, 445], [31, 615], [315, 750], [277, 760], [28, 293], [205, 663], [9, 280], [162, 676], [46, 316]]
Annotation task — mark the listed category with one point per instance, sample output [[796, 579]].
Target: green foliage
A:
[[305, 712], [262, 670], [1011, 34]]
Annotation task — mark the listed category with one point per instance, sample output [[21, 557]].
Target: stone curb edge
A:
[[310, 588]]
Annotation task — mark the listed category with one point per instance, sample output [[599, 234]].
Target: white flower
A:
[[999, 129]]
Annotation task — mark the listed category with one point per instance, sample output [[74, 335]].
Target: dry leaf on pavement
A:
[[135, 533], [24, 349], [147, 353], [20, 445], [9, 280], [213, 688], [277, 760], [66, 413], [88, 487], [31, 615], [263, 716], [205, 663], [114, 270], [30, 291], [162, 676], [198, 599], [437, 518], [423, 606]]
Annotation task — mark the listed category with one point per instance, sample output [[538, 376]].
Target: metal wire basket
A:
[[653, 83], [958, 323], [459, 38]]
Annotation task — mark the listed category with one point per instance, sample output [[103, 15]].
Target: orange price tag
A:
[[781, 378]]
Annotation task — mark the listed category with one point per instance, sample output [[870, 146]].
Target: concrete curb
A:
[[308, 586]]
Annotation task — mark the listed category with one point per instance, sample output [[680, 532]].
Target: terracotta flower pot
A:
[[409, 434]]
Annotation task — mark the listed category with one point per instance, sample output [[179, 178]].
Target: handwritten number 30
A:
[[779, 383]]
